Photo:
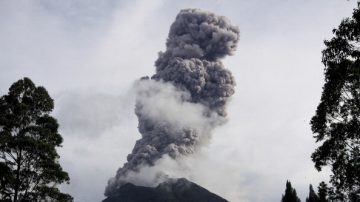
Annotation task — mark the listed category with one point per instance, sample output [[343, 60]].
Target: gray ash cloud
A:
[[185, 99]]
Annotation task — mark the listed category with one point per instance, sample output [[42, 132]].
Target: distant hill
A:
[[173, 190]]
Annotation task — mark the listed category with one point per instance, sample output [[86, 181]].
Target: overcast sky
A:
[[88, 54]]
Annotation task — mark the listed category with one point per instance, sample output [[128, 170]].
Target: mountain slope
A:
[[173, 190]]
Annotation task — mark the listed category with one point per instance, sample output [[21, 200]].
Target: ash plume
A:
[[185, 99]]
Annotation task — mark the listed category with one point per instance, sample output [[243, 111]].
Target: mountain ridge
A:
[[172, 190]]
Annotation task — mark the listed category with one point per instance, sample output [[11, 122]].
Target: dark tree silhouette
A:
[[323, 192], [29, 168], [290, 194], [312, 195], [336, 123]]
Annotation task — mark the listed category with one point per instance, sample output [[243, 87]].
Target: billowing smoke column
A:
[[179, 106]]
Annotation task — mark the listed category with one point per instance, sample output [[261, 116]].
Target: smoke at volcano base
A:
[[180, 105]]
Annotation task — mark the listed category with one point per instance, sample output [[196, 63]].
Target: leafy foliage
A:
[[323, 192], [29, 168], [336, 123], [290, 194]]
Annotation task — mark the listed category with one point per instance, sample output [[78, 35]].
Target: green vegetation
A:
[[290, 194], [29, 167], [336, 124]]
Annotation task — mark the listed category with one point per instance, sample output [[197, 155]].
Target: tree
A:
[[336, 123], [323, 192], [312, 195], [29, 167], [290, 194]]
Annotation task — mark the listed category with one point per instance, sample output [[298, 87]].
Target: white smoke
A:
[[169, 106]]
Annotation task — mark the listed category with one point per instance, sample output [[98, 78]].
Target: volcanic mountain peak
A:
[[172, 190]]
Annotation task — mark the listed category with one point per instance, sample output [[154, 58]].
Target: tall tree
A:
[[290, 194], [29, 167], [323, 192], [312, 195], [336, 123]]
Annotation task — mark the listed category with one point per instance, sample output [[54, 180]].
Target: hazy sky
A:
[[88, 53]]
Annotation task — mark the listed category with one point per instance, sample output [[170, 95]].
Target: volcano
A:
[[172, 190], [178, 108]]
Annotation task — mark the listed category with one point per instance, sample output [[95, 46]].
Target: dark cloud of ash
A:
[[185, 99]]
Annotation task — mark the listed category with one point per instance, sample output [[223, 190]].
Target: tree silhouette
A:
[[29, 168], [312, 195], [290, 194], [323, 192], [336, 123]]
